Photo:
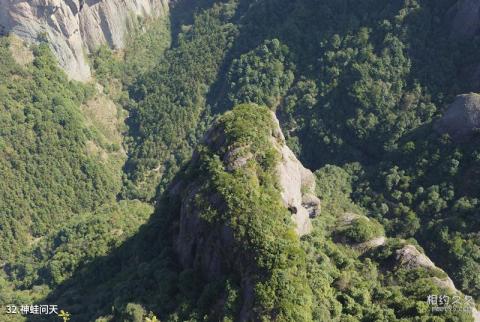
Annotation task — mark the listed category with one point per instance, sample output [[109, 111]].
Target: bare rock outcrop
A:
[[348, 217], [370, 244], [297, 183], [462, 118], [410, 257], [74, 28]]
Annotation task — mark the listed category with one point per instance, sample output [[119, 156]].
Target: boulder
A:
[[370, 244], [207, 244], [409, 257], [462, 118]]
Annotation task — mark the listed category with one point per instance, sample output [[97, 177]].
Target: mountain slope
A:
[[47, 173], [366, 94], [222, 246]]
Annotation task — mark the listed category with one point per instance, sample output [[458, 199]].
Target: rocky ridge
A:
[[297, 183], [75, 28], [297, 186], [407, 256], [410, 257]]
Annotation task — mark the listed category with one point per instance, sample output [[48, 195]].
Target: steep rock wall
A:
[[76, 27]]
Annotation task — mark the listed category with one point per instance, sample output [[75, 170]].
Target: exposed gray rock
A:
[[76, 27], [462, 118], [312, 204], [348, 217], [197, 244], [409, 257], [297, 184], [464, 17], [370, 244]]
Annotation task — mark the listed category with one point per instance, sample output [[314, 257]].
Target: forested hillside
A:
[[47, 173], [178, 125], [61, 172]]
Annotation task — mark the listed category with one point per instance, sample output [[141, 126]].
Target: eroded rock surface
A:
[[370, 244], [410, 257], [75, 27]]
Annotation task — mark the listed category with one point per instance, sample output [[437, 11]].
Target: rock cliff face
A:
[[297, 183], [75, 27]]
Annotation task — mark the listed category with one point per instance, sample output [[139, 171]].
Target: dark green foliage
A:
[[362, 230], [261, 76], [170, 111], [105, 65], [425, 191], [334, 186], [69, 248], [349, 287], [86, 237], [145, 44]]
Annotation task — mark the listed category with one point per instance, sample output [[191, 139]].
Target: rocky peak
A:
[[297, 183], [238, 189], [75, 27]]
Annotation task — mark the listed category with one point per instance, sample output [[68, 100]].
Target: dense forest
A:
[[97, 177]]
